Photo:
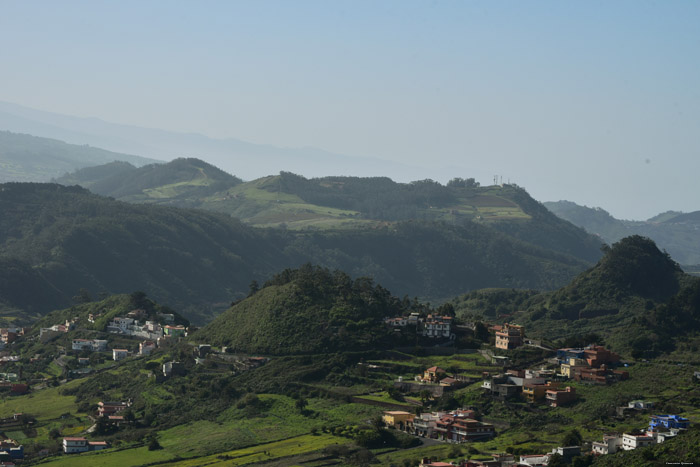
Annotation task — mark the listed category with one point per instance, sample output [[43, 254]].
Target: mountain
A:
[[56, 240], [180, 182], [673, 231], [636, 298], [247, 160], [307, 310], [295, 202], [29, 158]]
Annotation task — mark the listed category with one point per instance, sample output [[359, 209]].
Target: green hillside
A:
[[673, 231], [182, 182], [293, 202], [26, 158], [57, 240], [307, 310], [636, 298]]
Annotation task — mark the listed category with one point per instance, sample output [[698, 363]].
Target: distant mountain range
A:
[[246, 160], [26, 158], [675, 232]]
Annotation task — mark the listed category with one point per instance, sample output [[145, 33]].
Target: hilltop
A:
[[307, 310], [294, 202], [673, 231], [636, 298], [181, 182], [26, 158]]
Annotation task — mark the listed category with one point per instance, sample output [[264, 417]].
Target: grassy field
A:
[[264, 452], [46, 404]]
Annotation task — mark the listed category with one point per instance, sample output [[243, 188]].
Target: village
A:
[[548, 384]]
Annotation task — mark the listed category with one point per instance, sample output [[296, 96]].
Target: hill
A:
[[295, 202], [307, 310], [57, 240], [673, 231], [180, 182], [25, 158], [636, 298]]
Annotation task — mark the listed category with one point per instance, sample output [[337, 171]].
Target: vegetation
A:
[[25, 158], [55, 241], [674, 232]]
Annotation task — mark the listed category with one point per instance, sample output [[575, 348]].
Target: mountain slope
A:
[[182, 181], [308, 310], [292, 201], [66, 238], [674, 232], [30, 158], [636, 298]]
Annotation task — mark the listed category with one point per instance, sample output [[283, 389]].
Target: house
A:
[[119, 354], [105, 409], [568, 368], [668, 421], [438, 326], [175, 331], [533, 392], [610, 445], [173, 368], [459, 427], [424, 424], [509, 337], [640, 405], [559, 397], [146, 347], [398, 322], [567, 452], [398, 419], [535, 460], [630, 441], [73, 445], [97, 445], [93, 345], [597, 355], [12, 448], [433, 374], [563, 355]]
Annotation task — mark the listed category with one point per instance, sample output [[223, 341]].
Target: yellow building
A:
[[398, 419], [567, 369]]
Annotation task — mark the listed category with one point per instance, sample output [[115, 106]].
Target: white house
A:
[[72, 445], [119, 354], [146, 347], [630, 442]]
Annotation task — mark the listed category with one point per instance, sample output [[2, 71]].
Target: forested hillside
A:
[[63, 239], [294, 202], [636, 298]]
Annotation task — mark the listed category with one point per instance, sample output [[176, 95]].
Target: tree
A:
[[154, 445], [301, 404], [83, 296], [253, 288], [572, 438]]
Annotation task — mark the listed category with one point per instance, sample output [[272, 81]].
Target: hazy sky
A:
[[596, 102]]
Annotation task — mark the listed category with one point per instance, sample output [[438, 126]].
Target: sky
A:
[[596, 102]]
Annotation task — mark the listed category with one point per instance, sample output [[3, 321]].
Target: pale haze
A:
[[594, 102]]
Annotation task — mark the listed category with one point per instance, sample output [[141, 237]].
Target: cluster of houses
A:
[[661, 427], [46, 334], [510, 460], [532, 385], [11, 449], [434, 380], [457, 426], [593, 363], [9, 335], [432, 326], [110, 411]]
